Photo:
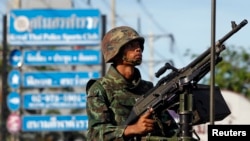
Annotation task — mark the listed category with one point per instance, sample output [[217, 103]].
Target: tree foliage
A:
[[233, 72]]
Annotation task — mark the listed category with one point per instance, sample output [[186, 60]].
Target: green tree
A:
[[233, 72]]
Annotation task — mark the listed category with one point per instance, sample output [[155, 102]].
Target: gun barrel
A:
[[234, 30], [169, 87], [219, 43]]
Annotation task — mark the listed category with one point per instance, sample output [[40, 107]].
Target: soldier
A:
[[111, 98]]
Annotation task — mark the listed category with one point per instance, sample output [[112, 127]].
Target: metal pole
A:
[[213, 31], [113, 14], [185, 113], [103, 33], [4, 110], [151, 57]]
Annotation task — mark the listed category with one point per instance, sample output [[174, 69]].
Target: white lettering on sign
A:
[[62, 58], [35, 36], [50, 37], [23, 37], [37, 57], [36, 98], [72, 98], [51, 98], [72, 22], [73, 81], [83, 57], [69, 100], [53, 123], [38, 82], [54, 37], [56, 105], [71, 37]]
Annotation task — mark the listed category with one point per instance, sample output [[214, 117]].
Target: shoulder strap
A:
[[98, 82], [89, 84]]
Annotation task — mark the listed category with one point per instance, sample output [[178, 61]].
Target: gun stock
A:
[[166, 91]]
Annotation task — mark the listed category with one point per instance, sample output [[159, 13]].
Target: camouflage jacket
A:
[[109, 102]]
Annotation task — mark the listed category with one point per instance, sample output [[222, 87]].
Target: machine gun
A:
[[169, 88]]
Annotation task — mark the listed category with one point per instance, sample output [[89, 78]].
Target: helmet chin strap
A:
[[131, 61]]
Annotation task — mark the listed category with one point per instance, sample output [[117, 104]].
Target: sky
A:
[[189, 21]]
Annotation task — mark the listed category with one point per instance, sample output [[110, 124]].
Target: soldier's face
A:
[[132, 53]]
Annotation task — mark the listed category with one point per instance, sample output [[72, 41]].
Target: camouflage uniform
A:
[[108, 110], [109, 103], [110, 99]]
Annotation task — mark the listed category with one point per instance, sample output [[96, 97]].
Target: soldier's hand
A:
[[145, 124]]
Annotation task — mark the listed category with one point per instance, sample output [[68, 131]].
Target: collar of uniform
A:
[[121, 81]]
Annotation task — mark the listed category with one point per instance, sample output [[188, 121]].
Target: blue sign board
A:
[[54, 27], [61, 57], [54, 101], [57, 79], [15, 58], [14, 79], [54, 123], [13, 101]]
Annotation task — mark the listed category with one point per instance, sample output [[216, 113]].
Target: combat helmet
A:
[[116, 38]]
